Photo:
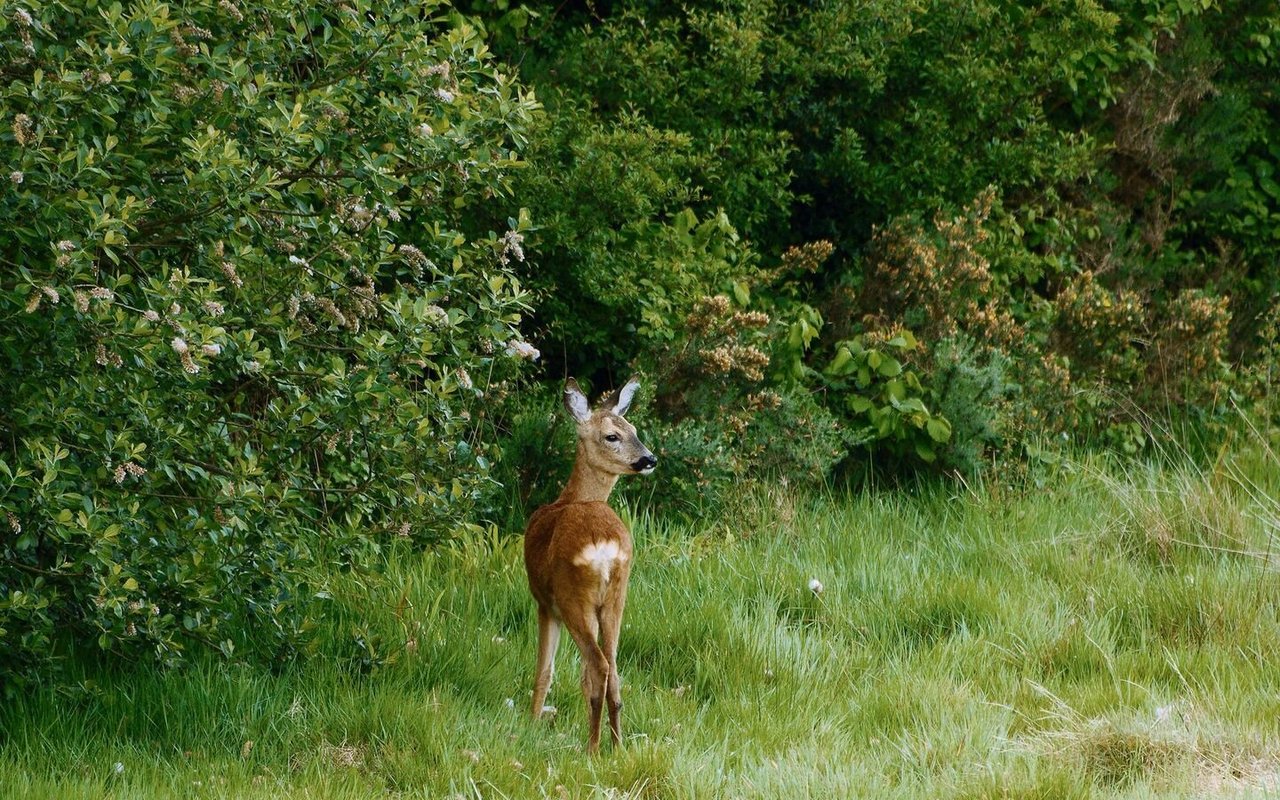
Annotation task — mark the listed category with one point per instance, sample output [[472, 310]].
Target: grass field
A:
[[1113, 633]]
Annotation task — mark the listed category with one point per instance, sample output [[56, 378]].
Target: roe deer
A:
[[578, 555]]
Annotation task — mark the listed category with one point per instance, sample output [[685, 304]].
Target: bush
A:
[[246, 322]]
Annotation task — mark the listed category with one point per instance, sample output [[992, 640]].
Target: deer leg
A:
[[548, 639], [610, 627], [595, 671]]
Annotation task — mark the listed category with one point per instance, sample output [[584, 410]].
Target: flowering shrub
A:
[[246, 321], [725, 411], [937, 280]]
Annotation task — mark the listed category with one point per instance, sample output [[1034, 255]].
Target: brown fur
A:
[[569, 590]]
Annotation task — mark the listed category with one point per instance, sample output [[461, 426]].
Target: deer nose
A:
[[645, 463]]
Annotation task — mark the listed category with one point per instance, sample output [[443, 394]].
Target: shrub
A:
[[246, 322], [720, 414]]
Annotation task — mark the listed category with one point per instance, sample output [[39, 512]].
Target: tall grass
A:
[[1112, 634]]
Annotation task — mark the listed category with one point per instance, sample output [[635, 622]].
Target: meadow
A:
[[1106, 631]]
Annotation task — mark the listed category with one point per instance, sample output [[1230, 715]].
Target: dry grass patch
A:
[[1173, 746]]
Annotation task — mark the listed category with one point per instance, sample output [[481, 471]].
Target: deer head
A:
[[606, 441]]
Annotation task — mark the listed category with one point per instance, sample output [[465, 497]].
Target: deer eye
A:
[[613, 437]]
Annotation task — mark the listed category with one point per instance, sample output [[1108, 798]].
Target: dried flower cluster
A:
[[24, 130], [128, 470], [350, 311], [747, 360], [416, 259], [180, 347], [937, 281], [229, 270], [180, 37], [107, 358], [718, 339], [1190, 347], [807, 257], [1096, 326], [24, 22], [231, 10]]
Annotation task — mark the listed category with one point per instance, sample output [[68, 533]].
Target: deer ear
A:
[[621, 400], [576, 402]]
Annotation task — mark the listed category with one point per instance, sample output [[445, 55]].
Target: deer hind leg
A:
[[585, 629], [610, 627], [548, 640]]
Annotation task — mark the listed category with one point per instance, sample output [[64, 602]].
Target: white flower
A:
[[301, 262], [520, 349], [252, 366], [175, 310], [150, 316], [66, 245], [424, 130], [179, 345], [213, 308], [23, 17], [511, 245], [445, 95], [16, 177], [815, 586], [211, 349]]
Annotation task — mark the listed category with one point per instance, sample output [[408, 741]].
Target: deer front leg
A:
[[548, 640]]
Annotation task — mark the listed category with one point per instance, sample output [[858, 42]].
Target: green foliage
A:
[[972, 388], [974, 165], [243, 307], [884, 398], [620, 255]]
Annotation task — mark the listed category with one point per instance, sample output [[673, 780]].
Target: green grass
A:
[[1111, 634]]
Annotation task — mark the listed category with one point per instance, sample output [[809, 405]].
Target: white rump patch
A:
[[601, 557]]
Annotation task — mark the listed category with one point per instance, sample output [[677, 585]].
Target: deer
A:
[[577, 553]]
